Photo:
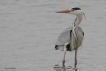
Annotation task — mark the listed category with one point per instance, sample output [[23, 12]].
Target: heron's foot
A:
[[63, 63]]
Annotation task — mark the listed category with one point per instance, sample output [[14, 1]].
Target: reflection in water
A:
[[68, 68]]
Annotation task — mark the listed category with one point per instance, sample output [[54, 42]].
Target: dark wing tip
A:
[[68, 47], [56, 47]]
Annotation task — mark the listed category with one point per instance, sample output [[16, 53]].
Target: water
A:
[[30, 28]]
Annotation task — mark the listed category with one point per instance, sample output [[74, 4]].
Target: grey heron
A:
[[71, 38]]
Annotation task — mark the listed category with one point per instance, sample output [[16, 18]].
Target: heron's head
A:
[[73, 10]]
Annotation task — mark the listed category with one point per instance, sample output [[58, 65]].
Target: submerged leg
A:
[[75, 58], [64, 57]]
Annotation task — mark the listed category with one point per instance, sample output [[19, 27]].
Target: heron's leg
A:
[[64, 56], [64, 59], [75, 57]]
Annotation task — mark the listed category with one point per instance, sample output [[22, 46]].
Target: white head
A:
[[73, 10]]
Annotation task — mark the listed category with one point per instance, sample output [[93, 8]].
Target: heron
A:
[[71, 38]]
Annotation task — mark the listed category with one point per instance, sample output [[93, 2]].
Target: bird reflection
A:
[[60, 68]]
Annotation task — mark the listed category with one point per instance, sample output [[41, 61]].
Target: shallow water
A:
[[30, 28]]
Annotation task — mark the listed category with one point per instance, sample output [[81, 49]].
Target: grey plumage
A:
[[64, 38]]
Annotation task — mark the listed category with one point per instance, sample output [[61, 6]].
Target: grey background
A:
[[30, 28]]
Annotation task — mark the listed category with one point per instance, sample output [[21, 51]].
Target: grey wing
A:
[[64, 37]]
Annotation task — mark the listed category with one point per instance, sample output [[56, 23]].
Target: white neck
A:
[[75, 25], [79, 19]]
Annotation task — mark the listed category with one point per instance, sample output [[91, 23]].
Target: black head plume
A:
[[76, 8]]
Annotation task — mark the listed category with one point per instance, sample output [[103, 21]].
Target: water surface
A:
[[30, 28]]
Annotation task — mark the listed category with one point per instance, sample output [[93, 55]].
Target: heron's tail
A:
[[61, 47]]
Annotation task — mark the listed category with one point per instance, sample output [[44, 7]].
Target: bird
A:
[[72, 37]]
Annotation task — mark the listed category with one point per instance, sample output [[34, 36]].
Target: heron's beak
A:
[[63, 11]]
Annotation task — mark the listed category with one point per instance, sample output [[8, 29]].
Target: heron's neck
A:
[[75, 26], [75, 31], [78, 19]]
